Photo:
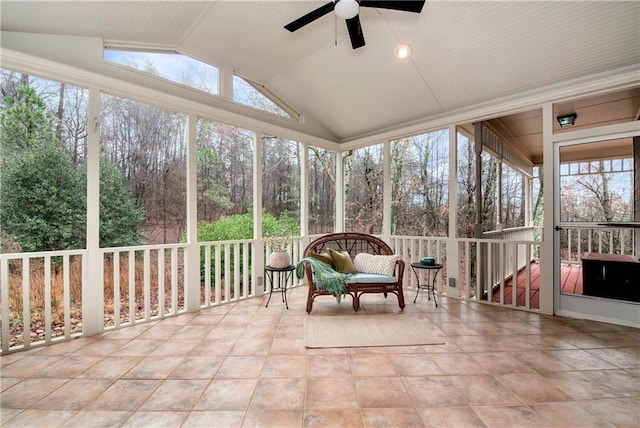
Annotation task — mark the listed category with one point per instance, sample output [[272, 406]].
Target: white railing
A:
[[577, 240], [486, 265], [142, 283], [42, 292], [41, 297], [413, 248]]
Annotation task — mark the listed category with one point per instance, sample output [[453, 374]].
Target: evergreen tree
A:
[[119, 217], [43, 198], [42, 192]]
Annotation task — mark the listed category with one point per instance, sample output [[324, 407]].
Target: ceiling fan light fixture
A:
[[346, 9], [403, 51]]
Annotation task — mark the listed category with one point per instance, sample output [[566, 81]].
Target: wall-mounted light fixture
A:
[[567, 119]]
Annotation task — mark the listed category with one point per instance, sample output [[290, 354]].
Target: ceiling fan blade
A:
[[310, 17], [406, 6], [355, 32]]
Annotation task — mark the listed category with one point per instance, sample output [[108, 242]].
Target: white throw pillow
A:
[[380, 265]]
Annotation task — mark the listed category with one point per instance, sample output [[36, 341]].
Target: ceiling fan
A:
[[348, 10]]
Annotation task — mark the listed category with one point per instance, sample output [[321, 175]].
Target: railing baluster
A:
[[132, 287], [4, 268], [66, 269], [207, 273], [218, 274], [174, 280], [26, 303], [147, 284], [47, 298], [116, 288], [161, 282]]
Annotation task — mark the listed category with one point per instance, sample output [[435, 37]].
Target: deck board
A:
[[570, 278]]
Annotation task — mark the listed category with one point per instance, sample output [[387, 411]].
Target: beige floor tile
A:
[[197, 368], [501, 362], [345, 418], [98, 418], [110, 367], [331, 393], [153, 368], [251, 347], [284, 366], [509, 416], [125, 395], [241, 367], [227, 394], [25, 394], [138, 348], [100, 348], [269, 418], [175, 348], [391, 417], [579, 359], [214, 419], [415, 365], [372, 365], [74, 394], [285, 393], [620, 357], [432, 391], [481, 390], [569, 414], [450, 417], [29, 365], [37, 418], [288, 347], [381, 392], [214, 347], [145, 419], [621, 412], [175, 394], [328, 365], [8, 382], [532, 387], [69, 367], [457, 364]]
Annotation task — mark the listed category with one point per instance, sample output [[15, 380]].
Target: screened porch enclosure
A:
[[468, 194]]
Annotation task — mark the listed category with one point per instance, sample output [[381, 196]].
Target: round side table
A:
[[430, 285], [283, 276]]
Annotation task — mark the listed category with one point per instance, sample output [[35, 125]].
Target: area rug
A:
[[354, 331]]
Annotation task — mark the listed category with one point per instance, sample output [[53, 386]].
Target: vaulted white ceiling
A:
[[465, 54]]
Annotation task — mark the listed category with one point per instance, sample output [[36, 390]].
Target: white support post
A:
[[453, 256], [192, 255], [386, 191], [499, 214], [304, 191], [257, 266], [225, 82], [547, 253], [340, 196], [93, 281]]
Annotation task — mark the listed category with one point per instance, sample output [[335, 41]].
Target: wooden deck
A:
[[570, 278]]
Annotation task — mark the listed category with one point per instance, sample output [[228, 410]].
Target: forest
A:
[[143, 169]]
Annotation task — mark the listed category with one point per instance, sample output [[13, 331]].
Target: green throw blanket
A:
[[325, 277]]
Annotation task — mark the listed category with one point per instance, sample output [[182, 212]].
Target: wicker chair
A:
[[355, 243]]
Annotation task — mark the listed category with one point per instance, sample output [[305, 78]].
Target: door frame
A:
[[588, 307]]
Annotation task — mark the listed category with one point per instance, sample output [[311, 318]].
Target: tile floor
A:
[[244, 365]]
